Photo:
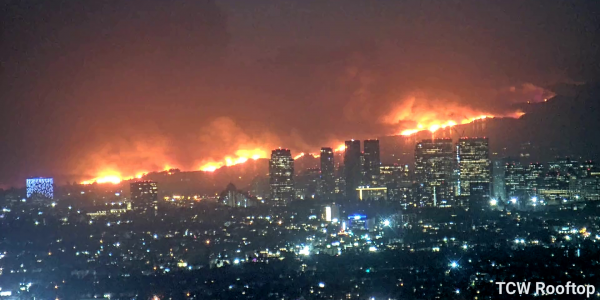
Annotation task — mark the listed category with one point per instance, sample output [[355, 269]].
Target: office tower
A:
[[331, 212], [144, 192], [499, 179], [372, 193], [534, 177], [307, 184], [372, 162], [232, 197], [514, 180], [352, 168], [434, 169], [260, 187], [587, 185], [565, 166], [40, 187], [474, 170], [555, 187], [397, 180], [327, 173], [391, 173], [281, 173]]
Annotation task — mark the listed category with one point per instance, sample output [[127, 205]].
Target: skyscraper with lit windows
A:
[[327, 173], [434, 168], [144, 192], [474, 166], [281, 176], [352, 168], [372, 162]]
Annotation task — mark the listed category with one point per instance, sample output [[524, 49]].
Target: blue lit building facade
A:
[[40, 187]]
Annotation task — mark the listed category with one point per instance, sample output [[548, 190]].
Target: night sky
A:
[[134, 85]]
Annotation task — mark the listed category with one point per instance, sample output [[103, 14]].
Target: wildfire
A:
[[114, 177], [105, 177], [419, 112], [341, 147], [433, 126], [303, 154], [241, 156]]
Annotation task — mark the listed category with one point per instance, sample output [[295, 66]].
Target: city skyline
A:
[[299, 150]]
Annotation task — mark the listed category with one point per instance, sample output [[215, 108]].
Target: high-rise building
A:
[[434, 168], [144, 192], [372, 162], [397, 180], [40, 187], [331, 212], [327, 173], [232, 197], [514, 180], [371, 193], [587, 184], [352, 168], [534, 177], [555, 187], [307, 184], [281, 173], [474, 167], [499, 179]]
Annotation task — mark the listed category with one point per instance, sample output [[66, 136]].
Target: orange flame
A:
[[433, 126], [418, 112], [341, 147], [107, 176], [241, 156]]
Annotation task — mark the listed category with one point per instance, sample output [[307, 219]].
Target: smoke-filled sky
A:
[[90, 86]]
